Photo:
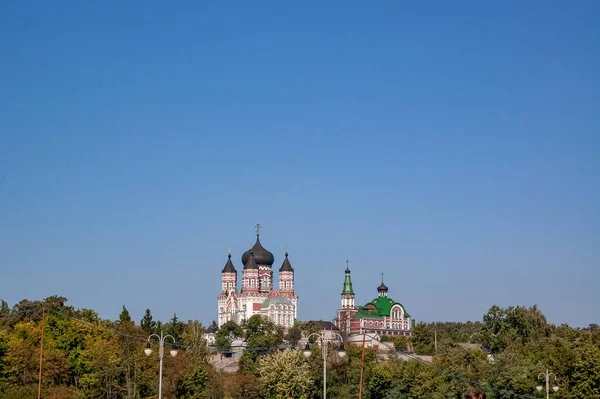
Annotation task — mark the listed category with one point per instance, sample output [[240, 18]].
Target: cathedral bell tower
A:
[[227, 302], [347, 292], [228, 277], [344, 319], [286, 277]]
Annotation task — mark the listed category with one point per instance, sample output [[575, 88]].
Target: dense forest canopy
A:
[[85, 356]]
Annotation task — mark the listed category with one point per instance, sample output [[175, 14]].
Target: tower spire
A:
[[347, 281], [382, 289], [347, 291]]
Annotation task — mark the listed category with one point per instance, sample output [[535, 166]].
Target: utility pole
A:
[[41, 352], [324, 350], [435, 339]]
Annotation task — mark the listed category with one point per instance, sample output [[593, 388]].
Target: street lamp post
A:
[[540, 384], [161, 351], [324, 342]]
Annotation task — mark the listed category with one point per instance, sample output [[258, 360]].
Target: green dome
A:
[[276, 301], [384, 306]]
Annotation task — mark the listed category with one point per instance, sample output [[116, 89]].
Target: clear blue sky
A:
[[453, 145]]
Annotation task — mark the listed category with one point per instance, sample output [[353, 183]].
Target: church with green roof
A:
[[383, 315]]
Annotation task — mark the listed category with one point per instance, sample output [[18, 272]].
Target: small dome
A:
[[286, 266], [251, 262], [275, 300], [382, 287], [261, 255], [229, 266]]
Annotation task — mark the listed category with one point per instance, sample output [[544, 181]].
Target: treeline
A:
[[507, 350], [503, 355], [88, 357]]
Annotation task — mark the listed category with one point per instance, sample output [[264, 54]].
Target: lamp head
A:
[[174, 350], [555, 388], [539, 386], [342, 352], [307, 351], [148, 350]]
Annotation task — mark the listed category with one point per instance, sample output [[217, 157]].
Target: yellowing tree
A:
[[286, 375]]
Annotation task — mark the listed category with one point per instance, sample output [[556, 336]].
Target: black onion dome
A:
[[251, 262], [382, 287], [229, 266], [286, 266], [261, 255]]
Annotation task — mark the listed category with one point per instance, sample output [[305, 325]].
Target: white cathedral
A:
[[257, 295]]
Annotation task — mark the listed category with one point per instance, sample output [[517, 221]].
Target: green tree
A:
[[3, 350], [175, 328], [213, 327], [226, 334], [513, 325], [102, 356], [26, 310], [199, 379], [131, 357], [147, 323], [585, 376], [397, 393], [125, 317], [423, 339], [22, 354], [286, 375], [4, 308], [294, 334], [193, 338], [22, 357], [343, 374], [381, 379], [402, 343], [310, 328], [262, 336], [243, 386], [197, 386]]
